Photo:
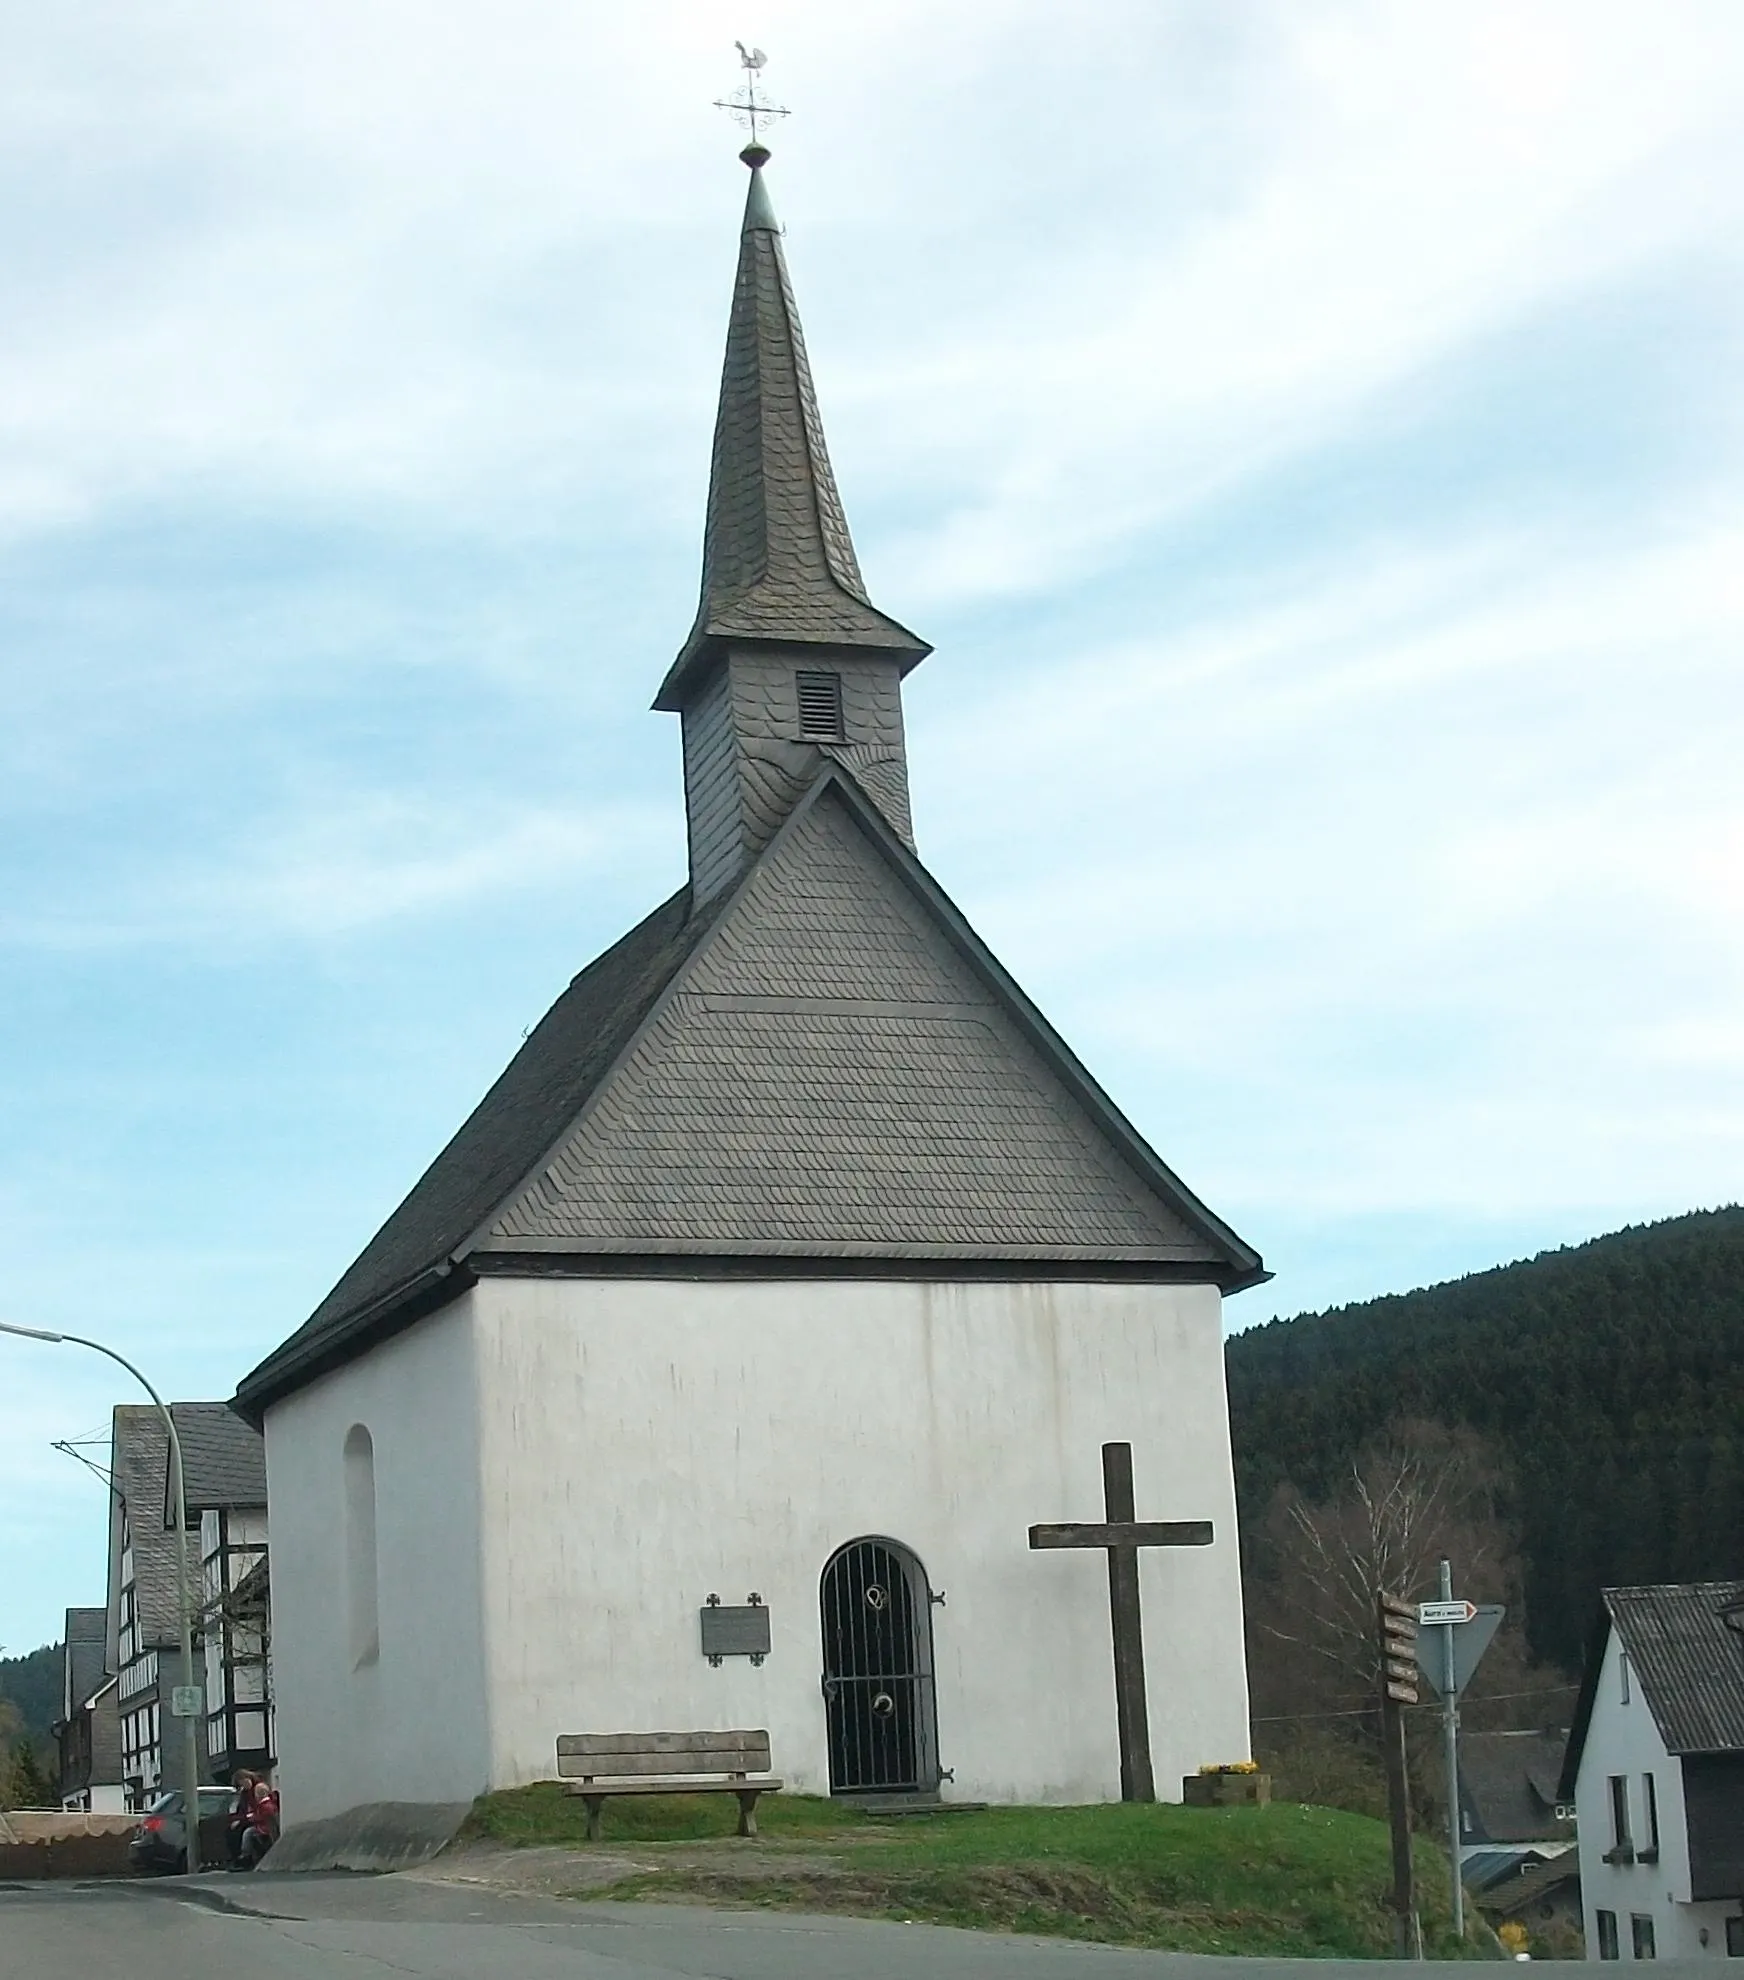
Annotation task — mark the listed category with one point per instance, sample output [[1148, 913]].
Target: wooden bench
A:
[[600, 1765]]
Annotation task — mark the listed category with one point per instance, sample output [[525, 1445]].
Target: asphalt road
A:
[[380, 1928]]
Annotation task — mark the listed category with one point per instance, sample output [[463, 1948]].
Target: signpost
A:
[[1122, 1535], [1462, 1632], [1396, 1644]]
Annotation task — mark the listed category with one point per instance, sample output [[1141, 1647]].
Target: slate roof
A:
[[1508, 1781], [139, 1461], [835, 1077], [1685, 1643], [778, 562], [823, 1062], [539, 1093], [223, 1458], [85, 1638], [827, 1063]]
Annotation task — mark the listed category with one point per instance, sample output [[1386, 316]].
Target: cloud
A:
[[339, 865], [1310, 435]]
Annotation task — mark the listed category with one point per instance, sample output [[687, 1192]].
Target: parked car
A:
[[160, 1843]]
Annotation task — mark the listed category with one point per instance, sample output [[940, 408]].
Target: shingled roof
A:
[[778, 562], [83, 1657], [826, 1065], [1508, 1784], [544, 1086], [223, 1458], [1685, 1644]]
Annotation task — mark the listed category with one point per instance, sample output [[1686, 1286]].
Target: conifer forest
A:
[[1598, 1390]]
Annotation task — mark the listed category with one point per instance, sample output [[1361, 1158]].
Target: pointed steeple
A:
[[789, 664], [778, 562]]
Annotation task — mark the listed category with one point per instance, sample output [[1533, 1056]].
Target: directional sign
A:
[[1469, 1645], [1433, 1614], [1398, 1646]]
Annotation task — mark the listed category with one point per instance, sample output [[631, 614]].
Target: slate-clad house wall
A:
[[143, 1634], [793, 1228], [88, 1730], [1656, 1770]]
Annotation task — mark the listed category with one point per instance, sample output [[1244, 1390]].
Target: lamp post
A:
[[184, 1587]]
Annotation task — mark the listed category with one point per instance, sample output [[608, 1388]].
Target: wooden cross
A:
[[1122, 1536]]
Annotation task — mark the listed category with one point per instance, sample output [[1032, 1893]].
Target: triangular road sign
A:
[[1470, 1641]]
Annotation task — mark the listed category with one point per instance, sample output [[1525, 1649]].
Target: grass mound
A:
[[1284, 1880]]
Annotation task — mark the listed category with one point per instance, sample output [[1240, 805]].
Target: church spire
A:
[[778, 562], [788, 662]]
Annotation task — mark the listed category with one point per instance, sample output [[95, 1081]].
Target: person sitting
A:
[[263, 1822], [237, 1816]]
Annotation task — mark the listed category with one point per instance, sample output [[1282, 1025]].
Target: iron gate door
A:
[[878, 1675]]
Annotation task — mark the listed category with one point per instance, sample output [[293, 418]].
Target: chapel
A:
[[715, 1373]]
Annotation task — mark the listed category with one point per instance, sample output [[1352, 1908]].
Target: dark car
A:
[[160, 1843]]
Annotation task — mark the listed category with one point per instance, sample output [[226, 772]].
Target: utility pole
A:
[[189, 1688], [1450, 1742], [1396, 1642]]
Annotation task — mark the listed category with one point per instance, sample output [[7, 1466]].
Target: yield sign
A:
[[1464, 1647]]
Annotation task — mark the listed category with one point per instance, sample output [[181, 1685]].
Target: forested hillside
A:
[[1609, 1378], [31, 1685]]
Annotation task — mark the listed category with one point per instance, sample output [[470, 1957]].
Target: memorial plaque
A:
[[735, 1631]]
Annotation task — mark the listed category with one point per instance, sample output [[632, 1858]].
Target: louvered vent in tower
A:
[[820, 706]]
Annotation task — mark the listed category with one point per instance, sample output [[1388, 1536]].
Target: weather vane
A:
[[747, 104]]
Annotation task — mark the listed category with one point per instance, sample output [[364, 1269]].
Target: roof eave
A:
[[351, 1334], [709, 643]]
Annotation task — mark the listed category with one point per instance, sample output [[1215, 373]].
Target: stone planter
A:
[[1226, 1790]]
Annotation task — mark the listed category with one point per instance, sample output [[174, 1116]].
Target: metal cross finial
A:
[[748, 104]]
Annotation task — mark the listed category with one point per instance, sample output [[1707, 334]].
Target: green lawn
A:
[[1280, 1880]]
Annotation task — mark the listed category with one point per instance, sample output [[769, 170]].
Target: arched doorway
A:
[[878, 1670]]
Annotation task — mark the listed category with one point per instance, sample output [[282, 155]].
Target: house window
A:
[[1620, 1850], [1623, 1675], [1641, 1935], [360, 1552], [1735, 1936], [1650, 1807], [820, 705], [1607, 1924]]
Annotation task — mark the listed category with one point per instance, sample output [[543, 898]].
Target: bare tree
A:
[[1417, 1493]]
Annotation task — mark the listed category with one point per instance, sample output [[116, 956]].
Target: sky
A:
[[1311, 438]]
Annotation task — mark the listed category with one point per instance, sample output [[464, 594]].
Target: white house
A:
[[790, 1273], [1655, 1768]]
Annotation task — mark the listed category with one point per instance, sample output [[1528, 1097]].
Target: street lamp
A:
[[184, 1588]]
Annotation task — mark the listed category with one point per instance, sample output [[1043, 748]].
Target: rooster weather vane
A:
[[748, 105]]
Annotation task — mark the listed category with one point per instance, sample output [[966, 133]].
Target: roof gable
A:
[[1686, 1651], [1688, 1660], [825, 1063], [842, 1070]]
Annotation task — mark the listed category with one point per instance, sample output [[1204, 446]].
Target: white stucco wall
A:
[[1623, 1739], [645, 1444], [411, 1725]]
